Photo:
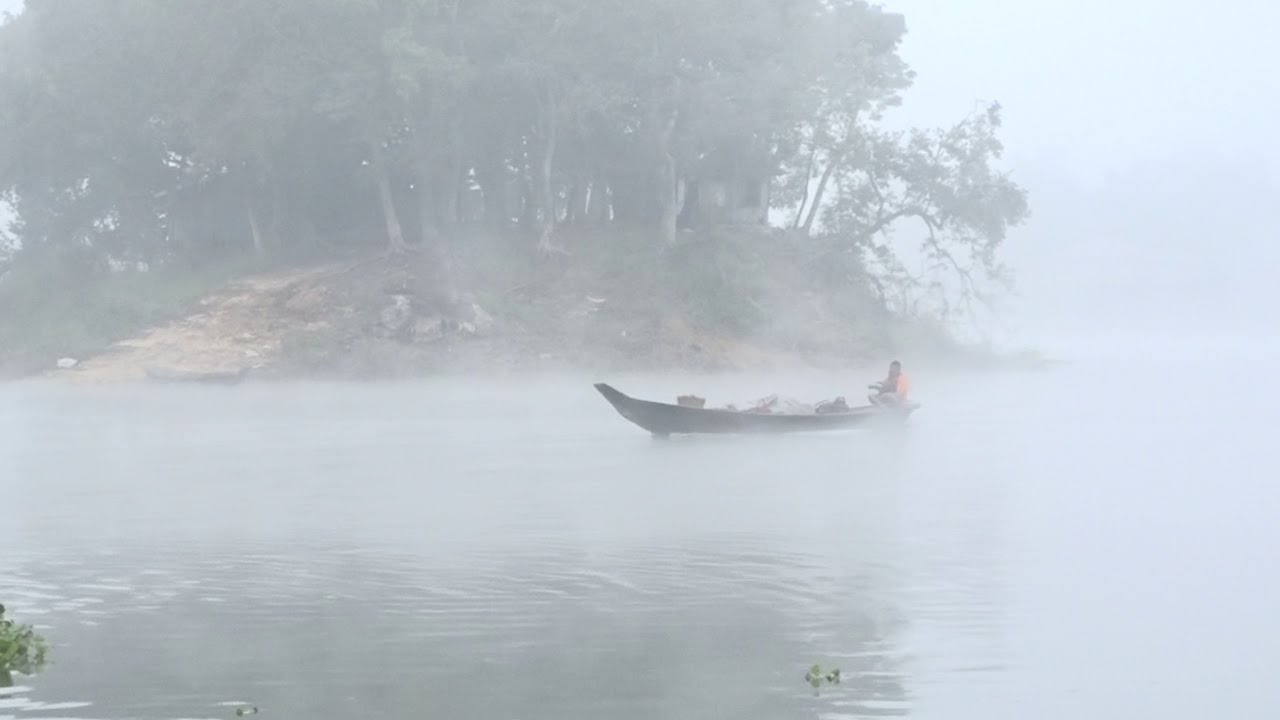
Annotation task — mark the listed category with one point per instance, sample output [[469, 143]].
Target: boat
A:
[[664, 419], [205, 377]]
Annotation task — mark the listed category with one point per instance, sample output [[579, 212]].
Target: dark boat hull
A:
[[215, 377], [664, 419]]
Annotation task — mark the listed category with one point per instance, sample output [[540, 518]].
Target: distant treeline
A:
[[150, 129]]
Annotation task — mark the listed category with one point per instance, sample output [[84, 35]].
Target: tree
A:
[[147, 129], [942, 184], [857, 76], [82, 153]]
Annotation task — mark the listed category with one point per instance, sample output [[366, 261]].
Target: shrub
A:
[[22, 650]]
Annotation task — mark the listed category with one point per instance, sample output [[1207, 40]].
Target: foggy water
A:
[[1097, 541]]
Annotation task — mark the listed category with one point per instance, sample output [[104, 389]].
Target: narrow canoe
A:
[[206, 377], [664, 419]]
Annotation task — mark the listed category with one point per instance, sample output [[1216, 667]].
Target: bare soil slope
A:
[[376, 317]]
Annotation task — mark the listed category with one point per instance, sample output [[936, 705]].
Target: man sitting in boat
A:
[[892, 390]]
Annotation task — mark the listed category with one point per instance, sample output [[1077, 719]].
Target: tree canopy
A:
[[148, 129]]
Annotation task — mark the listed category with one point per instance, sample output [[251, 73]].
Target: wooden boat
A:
[[205, 377], [663, 419]]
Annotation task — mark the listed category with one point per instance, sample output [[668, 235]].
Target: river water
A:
[[1096, 541]]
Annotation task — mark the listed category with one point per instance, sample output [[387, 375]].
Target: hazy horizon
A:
[[1142, 133]]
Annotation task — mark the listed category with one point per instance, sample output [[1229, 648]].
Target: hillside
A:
[[610, 194], [381, 315]]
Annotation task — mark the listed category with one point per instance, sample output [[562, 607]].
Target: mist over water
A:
[[1092, 541], [513, 548]]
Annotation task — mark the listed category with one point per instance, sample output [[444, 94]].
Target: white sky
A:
[[1092, 86], [1144, 130]]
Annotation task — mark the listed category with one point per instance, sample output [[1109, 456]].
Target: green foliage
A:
[[22, 650], [721, 282], [816, 677]]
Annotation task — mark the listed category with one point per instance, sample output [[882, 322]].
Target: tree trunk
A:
[[304, 229], [255, 227], [279, 213], [545, 198], [178, 242], [631, 196], [496, 200], [395, 236], [435, 193], [668, 184], [528, 200], [424, 160], [597, 208], [804, 198], [836, 158], [453, 193], [451, 176], [691, 210], [577, 212], [427, 227]]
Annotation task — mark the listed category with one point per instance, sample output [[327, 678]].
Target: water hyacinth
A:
[[22, 650], [816, 676]]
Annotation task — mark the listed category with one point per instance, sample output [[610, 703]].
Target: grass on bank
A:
[[56, 304]]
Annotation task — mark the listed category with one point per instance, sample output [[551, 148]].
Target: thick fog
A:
[[1090, 540], [1143, 132]]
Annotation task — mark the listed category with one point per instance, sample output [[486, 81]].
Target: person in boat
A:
[[893, 390]]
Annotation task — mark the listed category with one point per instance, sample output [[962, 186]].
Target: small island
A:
[[432, 189]]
